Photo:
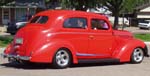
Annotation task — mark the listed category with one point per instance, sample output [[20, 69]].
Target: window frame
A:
[[108, 27], [84, 18]]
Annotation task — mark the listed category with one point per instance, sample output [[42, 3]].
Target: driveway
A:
[[136, 30]]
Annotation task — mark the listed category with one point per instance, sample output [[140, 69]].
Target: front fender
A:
[[124, 51], [46, 52]]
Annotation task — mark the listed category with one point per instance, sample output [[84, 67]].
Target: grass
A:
[[5, 40], [143, 37]]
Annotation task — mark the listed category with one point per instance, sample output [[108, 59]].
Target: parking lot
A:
[[101, 69]]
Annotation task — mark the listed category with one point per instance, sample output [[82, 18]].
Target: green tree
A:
[[121, 6], [49, 1], [130, 5], [115, 6], [4, 2], [82, 5]]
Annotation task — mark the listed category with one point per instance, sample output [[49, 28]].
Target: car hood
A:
[[122, 33]]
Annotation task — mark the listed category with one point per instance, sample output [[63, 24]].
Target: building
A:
[[143, 12], [15, 10], [140, 13]]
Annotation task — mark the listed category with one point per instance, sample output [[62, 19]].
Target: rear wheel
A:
[[62, 59], [137, 55]]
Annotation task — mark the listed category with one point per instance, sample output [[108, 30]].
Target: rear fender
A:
[[46, 54]]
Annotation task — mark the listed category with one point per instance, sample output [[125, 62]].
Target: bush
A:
[[5, 40]]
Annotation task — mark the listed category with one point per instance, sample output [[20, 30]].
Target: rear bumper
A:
[[17, 57]]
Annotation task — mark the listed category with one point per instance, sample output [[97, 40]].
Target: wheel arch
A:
[[67, 46], [133, 58], [46, 54], [68, 50]]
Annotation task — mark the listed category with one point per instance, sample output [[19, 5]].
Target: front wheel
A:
[[62, 59], [137, 55]]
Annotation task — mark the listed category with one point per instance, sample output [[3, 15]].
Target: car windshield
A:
[[145, 22]]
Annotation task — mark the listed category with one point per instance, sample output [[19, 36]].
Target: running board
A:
[[97, 60]]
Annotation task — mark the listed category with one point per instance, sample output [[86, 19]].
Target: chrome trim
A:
[[85, 54], [15, 56]]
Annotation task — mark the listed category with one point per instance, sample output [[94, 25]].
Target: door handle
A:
[[91, 37]]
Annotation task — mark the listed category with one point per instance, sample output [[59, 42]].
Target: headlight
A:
[[19, 41]]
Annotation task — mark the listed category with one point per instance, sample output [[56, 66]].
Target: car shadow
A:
[[33, 66], [102, 64], [49, 66]]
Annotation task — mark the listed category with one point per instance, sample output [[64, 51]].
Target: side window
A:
[[43, 20], [75, 23], [97, 24], [39, 19], [34, 19]]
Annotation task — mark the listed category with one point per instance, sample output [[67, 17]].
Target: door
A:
[[100, 39], [76, 32]]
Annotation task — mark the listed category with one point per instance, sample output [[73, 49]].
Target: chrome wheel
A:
[[137, 55], [62, 59]]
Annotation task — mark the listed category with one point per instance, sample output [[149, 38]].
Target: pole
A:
[[123, 21]]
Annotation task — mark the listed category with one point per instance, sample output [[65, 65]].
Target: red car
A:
[[63, 37]]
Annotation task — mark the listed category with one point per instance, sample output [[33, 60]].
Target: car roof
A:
[[68, 12]]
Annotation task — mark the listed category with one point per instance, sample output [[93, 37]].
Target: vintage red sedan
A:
[[63, 37]]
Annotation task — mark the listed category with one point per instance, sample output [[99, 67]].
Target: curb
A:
[[2, 50], [147, 42]]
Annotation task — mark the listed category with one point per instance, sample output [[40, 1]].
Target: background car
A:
[[144, 24], [14, 26]]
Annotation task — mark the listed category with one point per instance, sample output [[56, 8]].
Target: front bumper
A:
[[17, 57], [144, 26]]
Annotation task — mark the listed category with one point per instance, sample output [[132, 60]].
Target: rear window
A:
[[39, 19]]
